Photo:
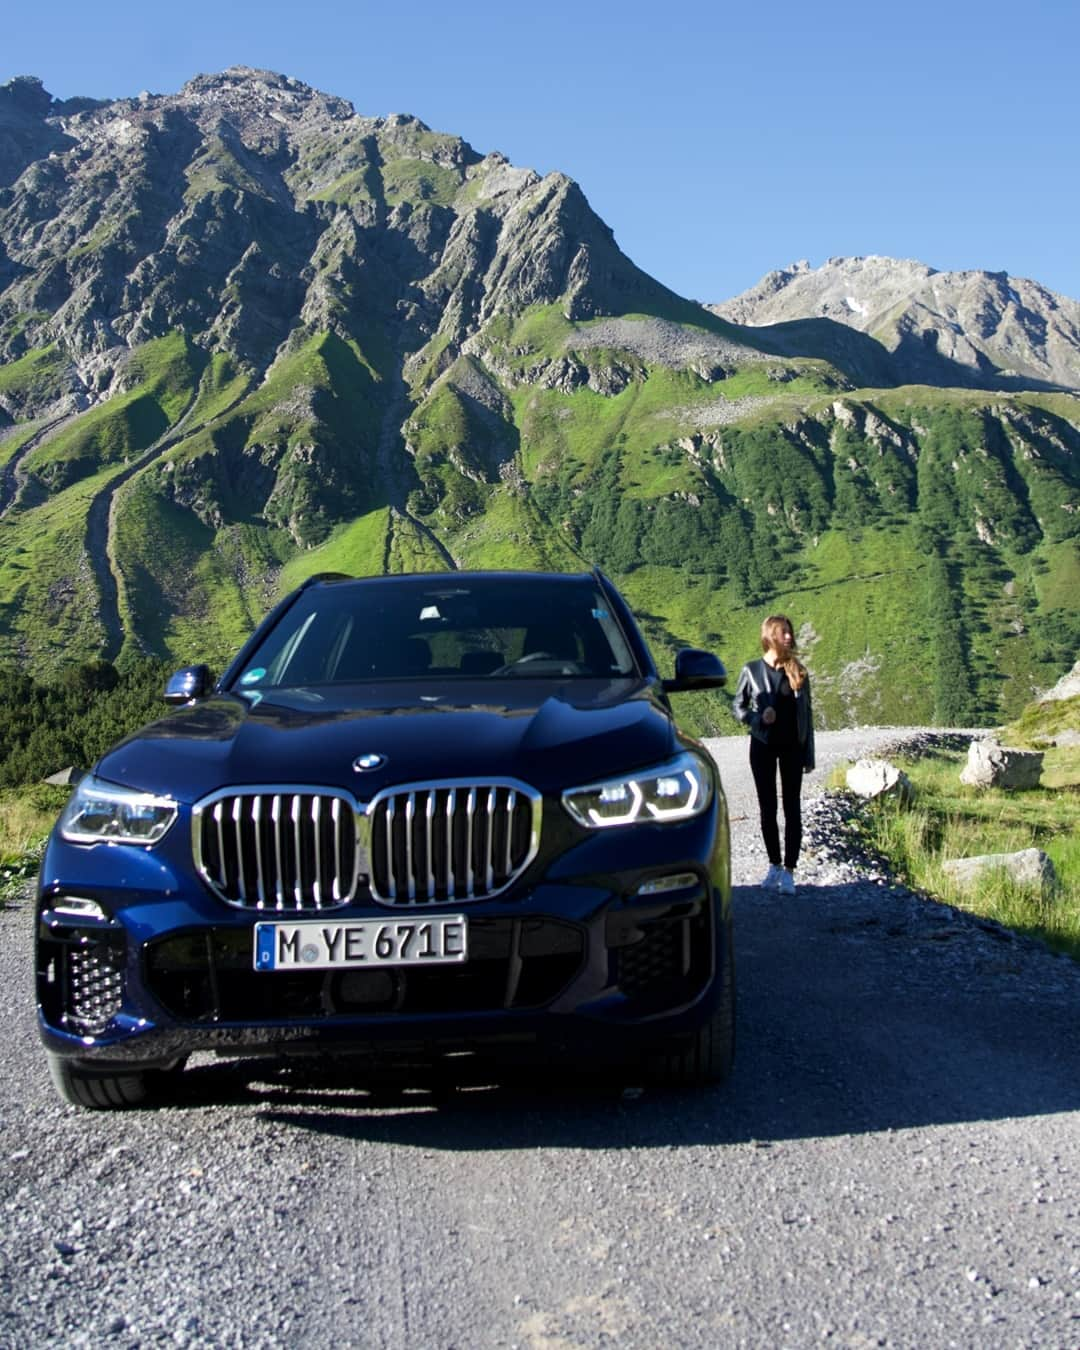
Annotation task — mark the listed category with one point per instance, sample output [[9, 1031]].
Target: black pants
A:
[[764, 761]]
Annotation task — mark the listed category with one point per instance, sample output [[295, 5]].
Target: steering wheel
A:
[[512, 666]]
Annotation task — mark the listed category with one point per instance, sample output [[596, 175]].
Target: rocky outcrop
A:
[[1067, 687], [985, 329]]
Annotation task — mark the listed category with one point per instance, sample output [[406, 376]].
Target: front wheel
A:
[[97, 1091], [708, 1056]]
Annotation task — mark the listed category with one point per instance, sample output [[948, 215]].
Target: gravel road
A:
[[895, 1162]]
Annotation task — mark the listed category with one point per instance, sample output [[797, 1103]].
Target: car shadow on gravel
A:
[[860, 1010]]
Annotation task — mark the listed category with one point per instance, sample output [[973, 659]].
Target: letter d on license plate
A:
[[315, 945]]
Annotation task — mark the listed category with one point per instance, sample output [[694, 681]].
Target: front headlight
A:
[[673, 791], [101, 811]]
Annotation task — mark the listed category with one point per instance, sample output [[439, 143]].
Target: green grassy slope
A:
[[160, 378], [925, 542]]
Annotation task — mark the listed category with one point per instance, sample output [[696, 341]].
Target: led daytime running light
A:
[[674, 791]]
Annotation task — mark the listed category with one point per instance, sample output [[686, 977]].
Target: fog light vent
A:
[[95, 989]]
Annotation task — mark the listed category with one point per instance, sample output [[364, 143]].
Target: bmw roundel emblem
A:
[[365, 763]]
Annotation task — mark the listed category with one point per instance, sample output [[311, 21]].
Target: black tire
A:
[[98, 1091], [709, 1055]]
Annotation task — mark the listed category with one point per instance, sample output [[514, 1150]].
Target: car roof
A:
[[336, 579]]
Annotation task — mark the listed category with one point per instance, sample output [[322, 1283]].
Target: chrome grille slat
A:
[[256, 829], [511, 803], [275, 816], [429, 818], [316, 822], [410, 817], [336, 813], [470, 817], [451, 807], [238, 838], [489, 871], [222, 874], [391, 813], [298, 856]]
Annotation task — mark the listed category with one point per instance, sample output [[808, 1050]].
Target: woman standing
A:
[[773, 699]]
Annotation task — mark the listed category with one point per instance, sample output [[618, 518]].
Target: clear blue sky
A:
[[718, 140]]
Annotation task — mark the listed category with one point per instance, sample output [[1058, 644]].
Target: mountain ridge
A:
[[247, 334]]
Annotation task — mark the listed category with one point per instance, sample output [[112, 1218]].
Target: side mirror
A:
[[695, 669], [187, 685]]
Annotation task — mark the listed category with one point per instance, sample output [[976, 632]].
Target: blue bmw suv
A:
[[418, 816]]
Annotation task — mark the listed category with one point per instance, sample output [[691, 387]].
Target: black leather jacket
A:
[[752, 697]]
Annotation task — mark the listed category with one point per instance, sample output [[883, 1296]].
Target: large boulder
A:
[[1029, 867], [990, 764], [878, 778]]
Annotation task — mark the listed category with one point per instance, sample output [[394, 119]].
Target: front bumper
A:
[[581, 958]]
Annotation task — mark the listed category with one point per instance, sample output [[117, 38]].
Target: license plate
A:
[[315, 945]]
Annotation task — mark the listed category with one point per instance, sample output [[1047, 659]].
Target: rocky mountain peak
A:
[[243, 92], [975, 328], [26, 94]]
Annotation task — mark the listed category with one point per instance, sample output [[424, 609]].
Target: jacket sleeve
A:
[[808, 749], [742, 705]]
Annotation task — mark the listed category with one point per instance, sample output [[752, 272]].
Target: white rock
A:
[[1028, 867], [878, 778]]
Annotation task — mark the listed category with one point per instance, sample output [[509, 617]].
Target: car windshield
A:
[[427, 628]]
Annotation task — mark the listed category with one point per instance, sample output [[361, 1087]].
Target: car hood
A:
[[547, 735]]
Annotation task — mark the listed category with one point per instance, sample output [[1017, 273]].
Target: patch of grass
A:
[[299, 451], [419, 180], [222, 383], [411, 550], [1042, 721], [18, 323], [355, 185], [217, 168], [190, 592], [855, 601], [510, 535], [357, 549], [48, 600], [33, 373], [27, 815], [950, 820], [163, 375], [16, 438]]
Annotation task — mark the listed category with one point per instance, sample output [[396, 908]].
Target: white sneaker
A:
[[786, 882], [771, 880]]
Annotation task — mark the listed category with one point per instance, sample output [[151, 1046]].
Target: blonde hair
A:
[[772, 630]]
